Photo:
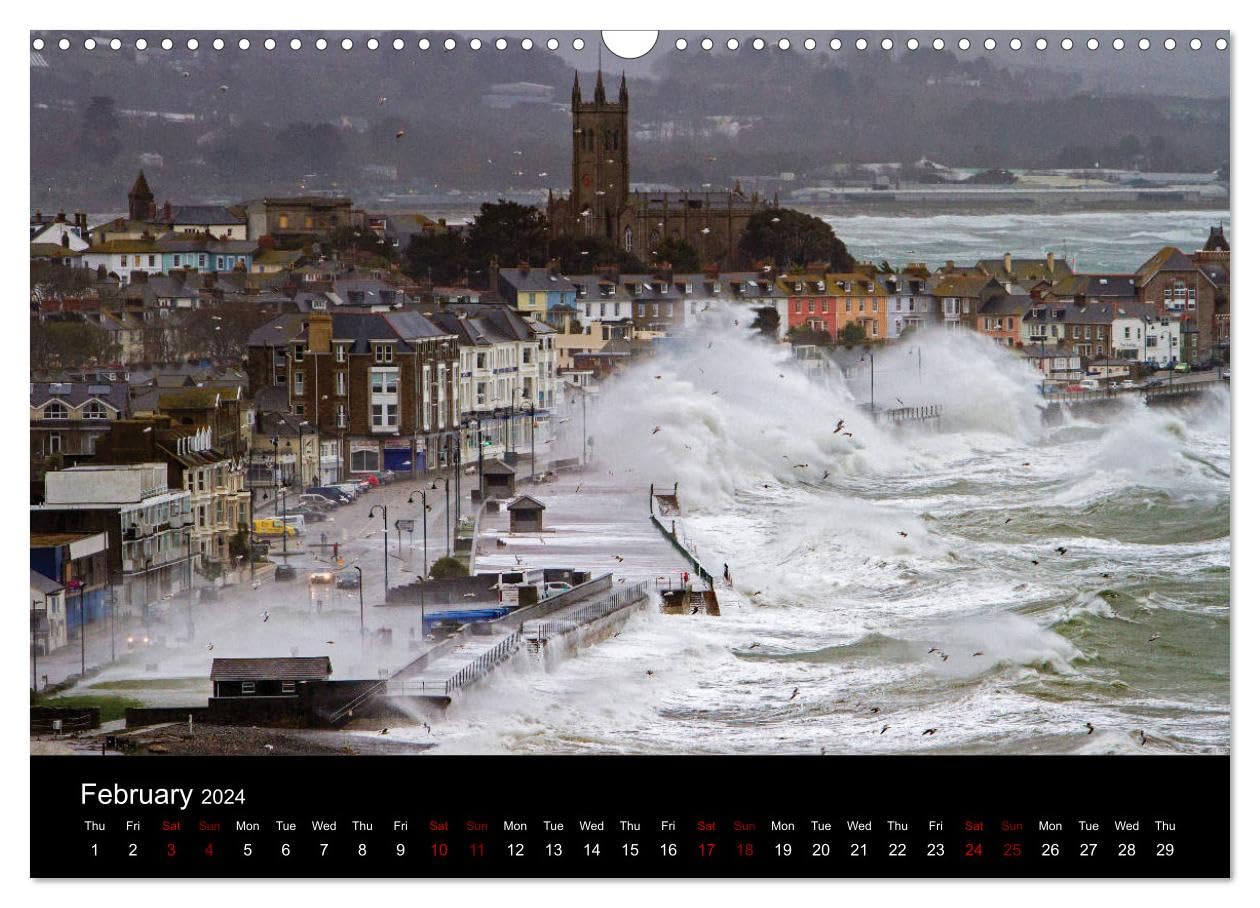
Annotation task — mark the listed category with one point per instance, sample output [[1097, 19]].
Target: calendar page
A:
[[712, 454]]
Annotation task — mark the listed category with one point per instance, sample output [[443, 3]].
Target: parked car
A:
[[333, 494], [1090, 384], [555, 588], [321, 578], [350, 489], [295, 521], [285, 572], [386, 476], [316, 502], [1182, 367], [372, 480], [273, 526], [310, 515], [348, 580]]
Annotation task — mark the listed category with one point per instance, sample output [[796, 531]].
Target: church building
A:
[[600, 202]]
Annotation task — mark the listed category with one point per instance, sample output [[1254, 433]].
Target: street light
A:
[[870, 355], [433, 488], [424, 510], [384, 509], [360, 570], [533, 461], [301, 465], [481, 468]]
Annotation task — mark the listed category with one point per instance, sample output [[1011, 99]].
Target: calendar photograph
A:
[[496, 394]]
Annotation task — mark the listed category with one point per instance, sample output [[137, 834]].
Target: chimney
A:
[[65, 241], [319, 333], [166, 210], [1050, 263], [61, 217], [80, 220], [949, 265], [1006, 263]]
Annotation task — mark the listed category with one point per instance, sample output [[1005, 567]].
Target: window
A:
[[341, 384], [54, 443], [56, 410], [384, 381], [95, 409], [175, 260], [341, 416], [299, 351], [201, 261], [339, 352], [152, 261], [365, 461], [288, 687], [384, 416], [383, 353], [299, 382], [247, 687], [218, 263]]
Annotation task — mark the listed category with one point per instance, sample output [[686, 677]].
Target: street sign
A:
[[405, 526]]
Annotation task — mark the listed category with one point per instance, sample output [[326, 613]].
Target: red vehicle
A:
[[371, 480]]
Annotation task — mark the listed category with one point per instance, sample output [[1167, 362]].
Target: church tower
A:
[[601, 158], [140, 205]]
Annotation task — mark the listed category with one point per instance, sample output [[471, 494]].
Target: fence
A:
[[1160, 390], [478, 668], [910, 414], [544, 630]]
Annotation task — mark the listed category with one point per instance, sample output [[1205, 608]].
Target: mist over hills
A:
[[226, 125]]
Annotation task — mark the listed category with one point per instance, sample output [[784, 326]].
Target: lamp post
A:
[[459, 459], [301, 464], [275, 470], [424, 513], [384, 509], [583, 425], [360, 570], [481, 460], [433, 488], [533, 464], [870, 355]]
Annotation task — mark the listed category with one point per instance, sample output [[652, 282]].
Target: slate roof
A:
[[45, 585], [1007, 304], [534, 280], [204, 215], [288, 668], [1170, 258], [526, 503], [75, 394]]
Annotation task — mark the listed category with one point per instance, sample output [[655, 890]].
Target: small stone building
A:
[[525, 515], [277, 677], [499, 480]]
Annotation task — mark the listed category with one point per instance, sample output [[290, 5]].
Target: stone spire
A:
[[599, 88], [577, 89], [623, 96]]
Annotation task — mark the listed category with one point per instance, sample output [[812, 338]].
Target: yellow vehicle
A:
[[271, 526]]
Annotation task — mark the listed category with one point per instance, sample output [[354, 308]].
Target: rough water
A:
[[860, 562], [1116, 242]]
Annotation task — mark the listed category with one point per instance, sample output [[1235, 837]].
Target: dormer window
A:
[[687, 288], [298, 351], [383, 353], [339, 352]]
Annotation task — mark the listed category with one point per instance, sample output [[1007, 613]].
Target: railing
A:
[[910, 414], [682, 549], [1162, 389], [469, 673], [348, 708], [588, 613]]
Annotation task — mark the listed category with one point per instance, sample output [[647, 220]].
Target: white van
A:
[[1090, 384], [297, 521]]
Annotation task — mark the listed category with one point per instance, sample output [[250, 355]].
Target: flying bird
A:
[[825, 474], [1062, 550], [1009, 519], [381, 101], [839, 425], [848, 434], [930, 731], [384, 731], [650, 672], [1152, 638], [210, 647], [1035, 561], [657, 429], [1142, 737], [795, 691], [400, 134], [1090, 726], [978, 653], [884, 729], [266, 616], [874, 709], [902, 533], [223, 88]]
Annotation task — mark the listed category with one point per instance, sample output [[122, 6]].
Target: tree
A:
[[446, 566], [358, 243], [70, 344], [676, 251], [510, 232], [791, 239], [767, 321], [583, 255], [853, 333], [438, 257]]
